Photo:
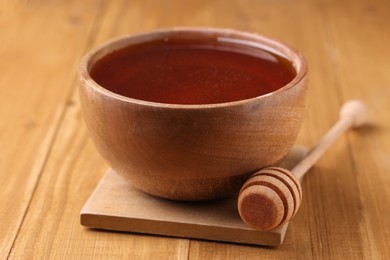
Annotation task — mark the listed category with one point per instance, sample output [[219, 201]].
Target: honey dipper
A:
[[272, 196]]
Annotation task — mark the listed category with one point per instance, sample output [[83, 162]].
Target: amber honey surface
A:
[[184, 72]]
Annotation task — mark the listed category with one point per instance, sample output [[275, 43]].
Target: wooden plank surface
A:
[[49, 167], [40, 45]]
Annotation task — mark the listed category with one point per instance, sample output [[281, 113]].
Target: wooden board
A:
[[115, 205]]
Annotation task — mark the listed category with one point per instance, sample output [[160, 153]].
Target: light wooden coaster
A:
[[115, 205]]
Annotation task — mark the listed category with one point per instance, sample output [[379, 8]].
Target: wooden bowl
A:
[[193, 152]]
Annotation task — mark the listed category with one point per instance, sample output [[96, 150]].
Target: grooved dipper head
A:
[[269, 198]]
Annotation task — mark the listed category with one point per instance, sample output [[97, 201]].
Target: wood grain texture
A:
[[48, 166], [38, 58]]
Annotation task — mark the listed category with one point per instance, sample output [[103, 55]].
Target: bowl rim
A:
[[241, 37]]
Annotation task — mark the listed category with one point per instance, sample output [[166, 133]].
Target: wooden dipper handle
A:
[[272, 196]]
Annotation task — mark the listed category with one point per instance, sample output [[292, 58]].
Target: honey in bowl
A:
[[179, 71], [190, 113]]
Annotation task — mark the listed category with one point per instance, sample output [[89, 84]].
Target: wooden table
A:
[[49, 166]]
